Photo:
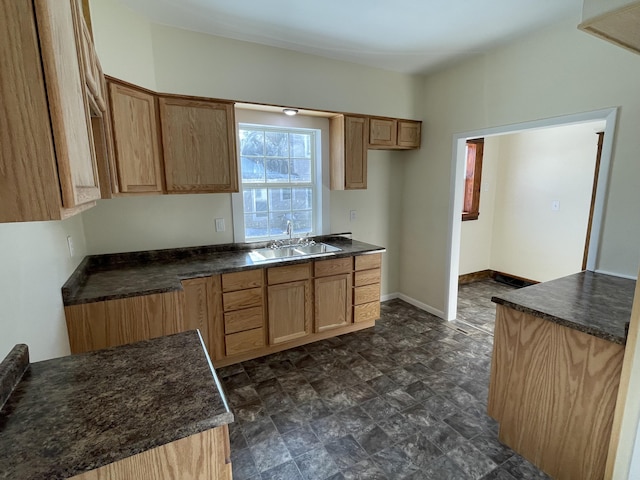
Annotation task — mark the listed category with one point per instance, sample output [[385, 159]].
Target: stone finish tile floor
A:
[[405, 399], [475, 308]]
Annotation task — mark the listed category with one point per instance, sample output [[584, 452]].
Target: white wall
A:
[[35, 264], [555, 72], [477, 235]]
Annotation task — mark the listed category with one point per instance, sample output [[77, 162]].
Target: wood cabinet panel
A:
[[348, 154], [203, 310], [383, 132], [92, 326], [251, 297], [242, 320], [242, 280], [246, 341], [290, 311], [136, 138], [68, 108], [332, 301], [288, 273], [203, 456], [366, 312], [553, 390], [324, 268], [199, 145], [366, 262], [366, 294], [366, 277], [409, 134]]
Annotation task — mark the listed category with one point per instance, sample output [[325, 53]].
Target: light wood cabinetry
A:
[[290, 304], [203, 310], [203, 456], [134, 116], [46, 154], [198, 139], [366, 287], [243, 304], [620, 26], [332, 289], [348, 156], [394, 134], [553, 390]]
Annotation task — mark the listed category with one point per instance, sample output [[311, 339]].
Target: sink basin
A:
[[293, 251]]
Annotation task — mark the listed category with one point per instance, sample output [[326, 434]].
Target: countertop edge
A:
[[12, 370]]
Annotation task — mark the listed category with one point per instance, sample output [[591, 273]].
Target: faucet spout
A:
[[289, 229]]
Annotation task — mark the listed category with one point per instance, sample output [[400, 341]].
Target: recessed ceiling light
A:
[[290, 111]]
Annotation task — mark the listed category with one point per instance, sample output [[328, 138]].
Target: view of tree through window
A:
[[278, 180]]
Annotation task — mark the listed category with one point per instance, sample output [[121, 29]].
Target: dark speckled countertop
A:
[[113, 276], [73, 414], [593, 303]]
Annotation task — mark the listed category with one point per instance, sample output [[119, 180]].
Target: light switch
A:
[[353, 215], [70, 245], [219, 224]]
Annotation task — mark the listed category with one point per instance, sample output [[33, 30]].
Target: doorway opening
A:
[[607, 117]]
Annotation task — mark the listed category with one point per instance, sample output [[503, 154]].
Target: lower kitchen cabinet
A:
[[290, 307], [203, 310], [332, 293]]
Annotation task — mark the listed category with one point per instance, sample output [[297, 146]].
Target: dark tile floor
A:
[[475, 308], [405, 399]]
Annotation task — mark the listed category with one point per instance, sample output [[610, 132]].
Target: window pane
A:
[[278, 222], [302, 198], [302, 222], [255, 200], [276, 144], [277, 170], [300, 170], [251, 142], [280, 199], [252, 169], [256, 225], [300, 145]]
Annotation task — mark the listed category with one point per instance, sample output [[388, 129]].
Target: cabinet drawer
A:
[[366, 262], [289, 273], [366, 294], [241, 280], [325, 268], [242, 320], [366, 312], [242, 299], [244, 341], [366, 277]]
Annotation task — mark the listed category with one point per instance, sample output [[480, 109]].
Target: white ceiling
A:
[[409, 36]]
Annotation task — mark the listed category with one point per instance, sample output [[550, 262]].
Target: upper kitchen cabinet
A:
[[349, 139], [199, 145], [138, 160], [394, 134], [47, 154], [616, 21]]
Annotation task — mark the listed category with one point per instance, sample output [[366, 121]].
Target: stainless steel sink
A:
[[292, 251]]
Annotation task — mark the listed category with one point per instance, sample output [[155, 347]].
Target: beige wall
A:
[[35, 264], [558, 71]]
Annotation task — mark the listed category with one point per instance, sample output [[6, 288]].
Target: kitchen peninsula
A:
[[244, 308], [557, 357]]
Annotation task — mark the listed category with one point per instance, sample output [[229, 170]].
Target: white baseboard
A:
[[389, 296], [421, 306], [629, 277]]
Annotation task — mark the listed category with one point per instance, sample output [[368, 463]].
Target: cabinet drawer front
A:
[[241, 280], [244, 341], [366, 294], [242, 320], [366, 312], [289, 273], [366, 277], [324, 268], [366, 262], [242, 299]]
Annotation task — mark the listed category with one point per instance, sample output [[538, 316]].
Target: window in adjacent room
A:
[[472, 179], [278, 181]]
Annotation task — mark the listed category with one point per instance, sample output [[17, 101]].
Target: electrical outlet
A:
[[219, 224], [70, 245], [353, 215], [555, 205]]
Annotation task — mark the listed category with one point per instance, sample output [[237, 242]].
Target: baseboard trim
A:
[[389, 296], [474, 276], [620, 275], [422, 306]]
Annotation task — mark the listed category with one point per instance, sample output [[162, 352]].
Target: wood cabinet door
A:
[[332, 302], [68, 107], [289, 311], [203, 310], [383, 132], [356, 131], [409, 134], [199, 143], [136, 139]]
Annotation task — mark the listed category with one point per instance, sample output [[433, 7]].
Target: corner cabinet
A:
[[134, 114], [199, 144], [394, 134], [289, 301], [348, 154], [46, 149]]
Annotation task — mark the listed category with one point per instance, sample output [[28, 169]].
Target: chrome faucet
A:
[[289, 229]]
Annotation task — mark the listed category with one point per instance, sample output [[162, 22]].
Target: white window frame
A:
[[320, 206]]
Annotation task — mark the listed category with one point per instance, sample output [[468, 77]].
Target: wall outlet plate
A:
[[219, 224]]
